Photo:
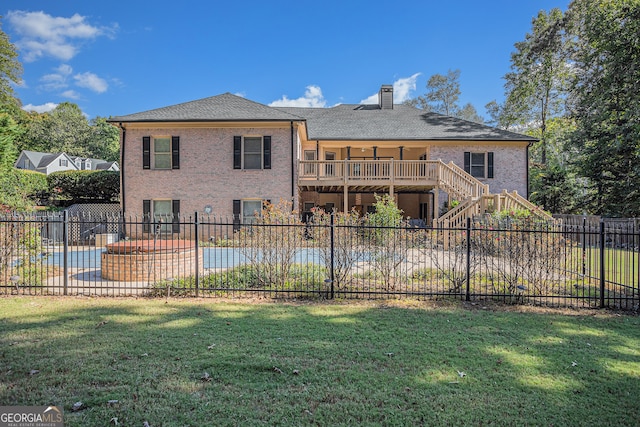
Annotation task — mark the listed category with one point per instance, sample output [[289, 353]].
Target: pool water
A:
[[212, 258]]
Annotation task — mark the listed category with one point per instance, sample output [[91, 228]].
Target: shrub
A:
[[347, 238], [20, 189], [21, 251], [389, 239], [271, 242], [520, 250], [72, 187], [452, 263]]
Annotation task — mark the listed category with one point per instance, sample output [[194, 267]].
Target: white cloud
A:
[[59, 80], [312, 98], [44, 35], [40, 108], [91, 81], [71, 94], [402, 89]]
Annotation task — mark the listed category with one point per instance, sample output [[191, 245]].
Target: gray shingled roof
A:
[[403, 122], [225, 107], [35, 157], [343, 122]]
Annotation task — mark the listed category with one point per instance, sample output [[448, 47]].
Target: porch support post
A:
[[436, 204], [391, 176], [346, 199]]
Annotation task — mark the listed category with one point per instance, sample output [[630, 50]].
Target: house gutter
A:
[[122, 146], [293, 166]]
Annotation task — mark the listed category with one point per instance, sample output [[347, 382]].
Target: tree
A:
[[606, 102], [538, 82], [66, 129], [10, 70], [443, 93], [104, 140], [503, 115], [17, 188], [469, 113], [9, 131]]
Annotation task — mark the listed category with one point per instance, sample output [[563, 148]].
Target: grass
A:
[[620, 265], [174, 362]]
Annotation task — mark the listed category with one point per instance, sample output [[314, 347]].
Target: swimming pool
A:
[[212, 258]]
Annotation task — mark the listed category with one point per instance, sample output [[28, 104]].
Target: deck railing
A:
[[391, 172]]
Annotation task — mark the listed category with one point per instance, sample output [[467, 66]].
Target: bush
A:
[[347, 238], [271, 242], [72, 187], [21, 251], [301, 278], [21, 189], [390, 239], [520, 250]]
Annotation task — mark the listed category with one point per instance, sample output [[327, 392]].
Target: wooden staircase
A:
[[475, 199]]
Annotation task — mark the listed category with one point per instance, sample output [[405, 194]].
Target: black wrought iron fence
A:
[[561, 264]]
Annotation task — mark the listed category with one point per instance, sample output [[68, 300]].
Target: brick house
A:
[[225, 154]]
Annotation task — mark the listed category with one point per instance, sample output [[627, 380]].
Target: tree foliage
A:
[[18, 189], [443, 95], [606, 102], [538, 81], [581, 70], [66, 129], [10, 70]]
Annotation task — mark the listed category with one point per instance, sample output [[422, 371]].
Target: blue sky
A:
[[119, 57]]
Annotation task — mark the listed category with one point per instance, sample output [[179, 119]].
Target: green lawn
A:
[[193, 362]]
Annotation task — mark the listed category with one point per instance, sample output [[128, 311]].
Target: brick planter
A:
[[149, 260]]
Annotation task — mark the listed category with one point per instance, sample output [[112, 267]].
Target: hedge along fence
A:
[[515, 260], [85, 186]]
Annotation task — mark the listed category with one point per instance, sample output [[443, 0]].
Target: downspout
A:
[[122, 146], [293, 167], [527, 161]]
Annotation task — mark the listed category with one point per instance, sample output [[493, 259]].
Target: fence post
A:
[[332, 234], [468, 293], [197, 255], [65, 250], [584, 245], [602, 261]]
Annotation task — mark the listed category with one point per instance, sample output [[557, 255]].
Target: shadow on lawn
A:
[[184, 362]]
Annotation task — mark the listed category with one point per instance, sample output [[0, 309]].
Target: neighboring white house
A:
[[85, 163], [48, 163]]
